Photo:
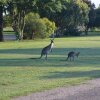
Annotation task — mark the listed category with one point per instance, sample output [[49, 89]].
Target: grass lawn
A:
[[20, 75]]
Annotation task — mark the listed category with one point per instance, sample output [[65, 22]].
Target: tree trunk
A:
[[1, 22], [21, 24], [86, 30]]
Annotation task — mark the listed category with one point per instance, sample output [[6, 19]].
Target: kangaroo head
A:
[[77, 54], [52, 41]]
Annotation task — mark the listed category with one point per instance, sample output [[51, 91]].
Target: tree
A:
[[97, 19], [91, 16], [18, 9], [30, 25], [1, 21], [74, 13], [50, 27], [47, 7], [2, 6], [7, 21]]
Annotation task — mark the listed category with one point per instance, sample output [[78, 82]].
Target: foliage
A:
[[50, 27], [3, 7], [97, 19], [68, 15], [7, 21], [30, 20], [18, 9], [91, 16], [47, 7], [74, 13], [37, 27], [1, 21]]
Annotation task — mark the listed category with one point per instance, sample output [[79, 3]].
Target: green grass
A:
[[8, 29], [20, 75], [9, 32], [94, 33]]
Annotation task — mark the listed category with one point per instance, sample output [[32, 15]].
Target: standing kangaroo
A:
[[47, 49], [72, 54]]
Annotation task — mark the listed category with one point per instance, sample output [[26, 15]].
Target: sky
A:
[[96, 2]]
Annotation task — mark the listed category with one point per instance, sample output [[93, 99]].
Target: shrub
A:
[[37, 27]]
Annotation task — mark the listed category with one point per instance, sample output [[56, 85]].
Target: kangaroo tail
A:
[[67, 58], [37, 58], [34, 58]]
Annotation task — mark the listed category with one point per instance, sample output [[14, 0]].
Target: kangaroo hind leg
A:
[[46, 57]]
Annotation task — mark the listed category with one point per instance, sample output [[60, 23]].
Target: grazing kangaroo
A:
[[47, 49], [72, 54]]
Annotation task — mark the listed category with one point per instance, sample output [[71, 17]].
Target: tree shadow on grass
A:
[[22, 62], [76, 74], [88, 57], [51, 62], [20, 51], [56, 51]]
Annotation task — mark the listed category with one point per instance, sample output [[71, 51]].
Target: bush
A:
[[72, 31], [37, 27], [50, 27], [7, 21]]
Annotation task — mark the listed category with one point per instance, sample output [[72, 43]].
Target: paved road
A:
[[87, 91], [9, 37]]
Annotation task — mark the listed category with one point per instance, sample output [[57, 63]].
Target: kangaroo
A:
[[72, 54], [77, 54], [47, 49]]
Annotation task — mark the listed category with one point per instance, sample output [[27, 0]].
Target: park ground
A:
[[20, 75], [90, 90]]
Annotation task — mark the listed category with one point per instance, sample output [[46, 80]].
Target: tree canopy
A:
[[97, 19], [68, 15]]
